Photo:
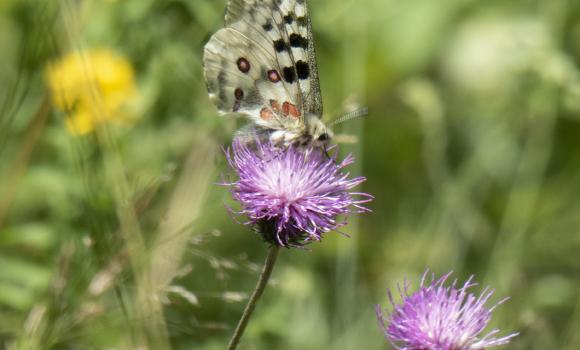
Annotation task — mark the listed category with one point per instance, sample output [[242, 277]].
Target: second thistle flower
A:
[[292, 196], [440, 317]]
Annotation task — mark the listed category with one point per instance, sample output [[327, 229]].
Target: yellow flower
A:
[[92, 87]]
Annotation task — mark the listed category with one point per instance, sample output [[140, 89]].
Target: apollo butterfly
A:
[[262, 65]]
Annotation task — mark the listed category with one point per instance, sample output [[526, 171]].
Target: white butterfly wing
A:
[[233, 67], [263, 64]]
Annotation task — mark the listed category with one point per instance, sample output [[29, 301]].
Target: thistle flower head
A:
[[437, 317], [290, 195]]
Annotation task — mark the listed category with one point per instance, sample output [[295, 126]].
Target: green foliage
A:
[[471, 149]]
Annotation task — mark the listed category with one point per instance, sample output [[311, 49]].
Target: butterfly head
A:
[[317, 133]]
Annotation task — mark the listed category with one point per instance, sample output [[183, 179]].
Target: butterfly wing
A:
[[260, 65], [234, 68], [313, 100], [285, 25]]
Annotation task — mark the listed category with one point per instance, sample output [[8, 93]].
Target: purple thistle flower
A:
[[291, 195], [440, 318]]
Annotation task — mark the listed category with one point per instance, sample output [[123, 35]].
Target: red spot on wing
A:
[[273, 76], [243, 65], [266, 114], [290, 109], [275, 105]]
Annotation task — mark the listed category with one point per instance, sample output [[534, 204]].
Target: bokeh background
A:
[[115, 235]]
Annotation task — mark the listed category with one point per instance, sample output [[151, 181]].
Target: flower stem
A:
[[260, 286]]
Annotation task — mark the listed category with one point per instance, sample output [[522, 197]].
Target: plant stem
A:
[[260, 286]]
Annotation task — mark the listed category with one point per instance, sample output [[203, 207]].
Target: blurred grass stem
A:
[[262, 282], [19, 167]]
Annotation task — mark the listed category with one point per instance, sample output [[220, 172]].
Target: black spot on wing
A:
[[279, 45], [289, 18], [289, 74], [221, 78], [252, 12], [301, 21], [268, 26], [297, 40], [303, 70]]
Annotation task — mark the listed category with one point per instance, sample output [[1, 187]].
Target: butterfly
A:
[[262, 65]]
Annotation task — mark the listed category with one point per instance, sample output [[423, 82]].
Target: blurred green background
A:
[[115, 235]]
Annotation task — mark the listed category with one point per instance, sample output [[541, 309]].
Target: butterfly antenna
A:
[[357, 113]]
